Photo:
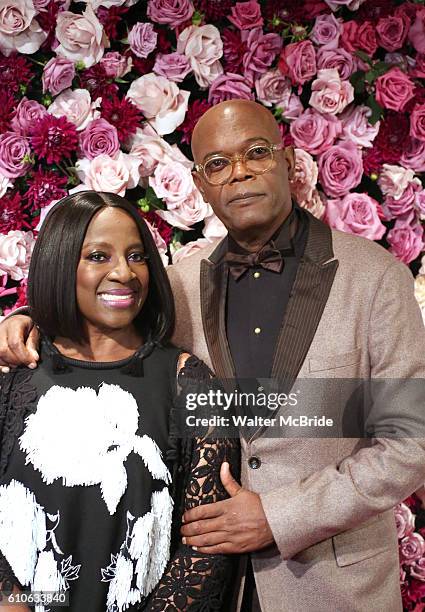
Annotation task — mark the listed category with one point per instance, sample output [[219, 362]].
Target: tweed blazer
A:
[[351, 313]]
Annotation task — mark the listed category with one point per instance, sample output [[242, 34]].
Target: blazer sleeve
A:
[[380, 475]]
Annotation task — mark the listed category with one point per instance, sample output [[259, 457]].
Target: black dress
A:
[[89, 475]]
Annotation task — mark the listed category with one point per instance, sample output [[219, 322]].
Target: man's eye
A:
[[137, 257], [215, 165], [97, 257], [258, 152]]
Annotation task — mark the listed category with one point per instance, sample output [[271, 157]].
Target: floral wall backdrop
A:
[[104, 94]]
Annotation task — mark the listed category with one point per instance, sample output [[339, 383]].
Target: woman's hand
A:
[[19, 340]]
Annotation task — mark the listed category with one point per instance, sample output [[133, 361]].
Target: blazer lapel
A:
[[213, 285], [310, 292]]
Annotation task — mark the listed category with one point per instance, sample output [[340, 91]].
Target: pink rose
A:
[[151, 150], [173, 66], [15, 253], [261, 52], [326, 31], [273, 88], [160, 100], [229, 86], [186, 212], [214, 229], [419, 203], [27, 112], [340, 169], [304, 177], [417, 569], [356, 213], [19, 30], [298, 61], [352, 5], [417, 122], [417, 32], [394, 89], [203, 47], [359, 37], [314, 132], [15, 155], [404, 520], [393, 180], [293, 107], [413, 155], [77, 106], [396, 207], [339, 59], [58, 75], [392, 32], [246, 15], [329, 94], [170, 12], [142, 39], [116, 65], [81, 37], [412, 548], [406, 243], [104, 173], [315, 205], [190, 249], [356, 127], [99, 138]]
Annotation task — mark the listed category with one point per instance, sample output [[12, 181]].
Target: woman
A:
[[86, 494]]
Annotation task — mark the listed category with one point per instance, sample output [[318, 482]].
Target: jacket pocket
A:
[[370, 539], [331, 362]]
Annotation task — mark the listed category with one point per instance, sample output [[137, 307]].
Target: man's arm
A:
[[19, 340], [370, 481]]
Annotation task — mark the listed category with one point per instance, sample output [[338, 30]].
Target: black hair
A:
[[53, 270]]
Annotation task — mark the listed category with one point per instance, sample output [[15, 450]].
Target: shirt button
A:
[[257, 330], [254, 463], [256, 275]]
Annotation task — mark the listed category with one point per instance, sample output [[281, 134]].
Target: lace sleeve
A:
[[197, 581]]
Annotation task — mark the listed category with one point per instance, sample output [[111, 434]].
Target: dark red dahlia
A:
[[97, 82], [45, 186], [7, 110], [277, 13], [53, 138], [143, 65], [163, 43], [165, 230], [373, 10], [123, 114], [418, 98], [13, 214], [194, 113], [392, 137], [112, 18], [47, 19], [15, 71], [214, 10], [22, 294], [233, 50], [372, 161]]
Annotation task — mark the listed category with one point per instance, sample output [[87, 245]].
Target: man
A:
[[284, 296]]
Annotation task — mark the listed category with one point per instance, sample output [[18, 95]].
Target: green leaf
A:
[[364, 56], [370, 76], [153, 199], [376, 109], [197, 18], [357, 80]]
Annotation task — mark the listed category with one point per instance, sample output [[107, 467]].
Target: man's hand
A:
[[19, 340], [235, 525]]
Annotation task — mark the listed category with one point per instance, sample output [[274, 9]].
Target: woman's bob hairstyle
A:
[[53, 270]]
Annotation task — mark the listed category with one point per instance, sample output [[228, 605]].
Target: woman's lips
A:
[[118, 299]]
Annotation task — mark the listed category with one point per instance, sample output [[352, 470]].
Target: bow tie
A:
[[268, 257]]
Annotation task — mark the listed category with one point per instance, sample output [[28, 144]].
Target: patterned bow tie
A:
[[268, 257]]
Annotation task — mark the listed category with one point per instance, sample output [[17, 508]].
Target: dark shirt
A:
[[256, 302]]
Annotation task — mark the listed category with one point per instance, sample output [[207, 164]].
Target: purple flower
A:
[[99, 138], [58, 75], [173, 66], [170, 12], [228, 86], [14, 155], [406, 243], [142, 39], [261, 52], [340, 169], [27, 112]]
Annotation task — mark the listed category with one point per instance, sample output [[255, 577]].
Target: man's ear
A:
[[199, 183], [289, 154]]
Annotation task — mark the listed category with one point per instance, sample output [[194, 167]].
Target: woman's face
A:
[[112, 275]]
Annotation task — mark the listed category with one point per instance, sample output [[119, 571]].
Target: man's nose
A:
[[240, 172], [122, 271]]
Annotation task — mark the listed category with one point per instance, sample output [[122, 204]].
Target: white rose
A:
[[203, 47], [393, 180], [19, 30], [81, 37], [15, 253], [104, 173], [76, 106]]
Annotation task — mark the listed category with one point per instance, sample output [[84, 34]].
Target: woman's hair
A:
[[53, 270]]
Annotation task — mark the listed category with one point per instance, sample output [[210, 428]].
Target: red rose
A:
[[392, 32], [394, 89]]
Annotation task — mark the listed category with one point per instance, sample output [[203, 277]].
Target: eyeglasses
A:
[[257, 159]]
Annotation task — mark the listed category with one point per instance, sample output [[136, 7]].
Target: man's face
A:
[[248, 202]]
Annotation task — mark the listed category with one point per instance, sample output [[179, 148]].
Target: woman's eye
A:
[[137, 257], [97, 257]]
